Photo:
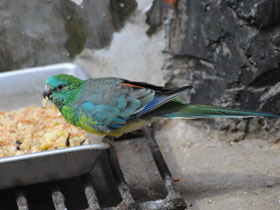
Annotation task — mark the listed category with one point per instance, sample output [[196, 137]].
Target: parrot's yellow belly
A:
[[92, 126], [128, 127]]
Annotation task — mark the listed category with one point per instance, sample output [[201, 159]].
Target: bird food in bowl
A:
[[36, 129], [36, 143]]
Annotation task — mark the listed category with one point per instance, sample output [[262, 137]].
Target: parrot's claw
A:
[[109, 140]]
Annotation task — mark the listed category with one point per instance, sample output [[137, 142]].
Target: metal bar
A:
[[174, 195], [21, 199], [174, 199], [159, 160], [90, 193], [128, 201], [57, 197]]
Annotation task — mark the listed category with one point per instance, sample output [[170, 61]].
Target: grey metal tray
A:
[[22, 88]]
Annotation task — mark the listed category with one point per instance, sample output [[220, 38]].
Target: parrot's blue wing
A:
[[103, 117], [110, 102], [162, 98]]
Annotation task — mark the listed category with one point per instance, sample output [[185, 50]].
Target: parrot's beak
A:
[[47, 91]]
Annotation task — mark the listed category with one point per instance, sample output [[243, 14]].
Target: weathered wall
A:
[[229, 51], [35, 33], [131, 54], [106, 38]]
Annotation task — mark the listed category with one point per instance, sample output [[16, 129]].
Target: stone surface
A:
[[229, 51], [37, 33], [257, 13], [132, 54]]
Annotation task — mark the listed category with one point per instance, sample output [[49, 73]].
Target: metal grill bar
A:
[[57, 197], [90, 193], [173, 200], [128, 201], [173, 197], [161, 165], [21, 199]]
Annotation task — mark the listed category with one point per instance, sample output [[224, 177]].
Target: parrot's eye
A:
[[59, 87]]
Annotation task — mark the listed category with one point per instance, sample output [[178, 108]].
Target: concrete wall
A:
[[35, 33], [229, 51]]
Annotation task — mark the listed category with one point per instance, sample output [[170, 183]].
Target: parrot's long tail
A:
[[178, 109]]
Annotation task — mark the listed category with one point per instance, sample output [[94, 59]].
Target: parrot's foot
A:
[[109, 140]]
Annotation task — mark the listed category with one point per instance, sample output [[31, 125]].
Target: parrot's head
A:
[[62, 89]]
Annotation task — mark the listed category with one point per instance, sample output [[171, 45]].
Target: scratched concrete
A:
[[213, 173]]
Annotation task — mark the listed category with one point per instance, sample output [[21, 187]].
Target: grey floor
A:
[[213, 173]]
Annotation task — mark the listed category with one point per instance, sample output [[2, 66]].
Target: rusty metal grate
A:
[[173, 200]]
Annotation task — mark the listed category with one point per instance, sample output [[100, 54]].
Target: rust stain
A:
[[172, 2], [176, 179]]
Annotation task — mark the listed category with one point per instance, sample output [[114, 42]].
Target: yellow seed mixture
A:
[[36, 129]]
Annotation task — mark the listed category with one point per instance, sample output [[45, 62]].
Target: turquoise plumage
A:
[[113, 106]]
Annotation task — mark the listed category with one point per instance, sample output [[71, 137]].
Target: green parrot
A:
[[113, 106]]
